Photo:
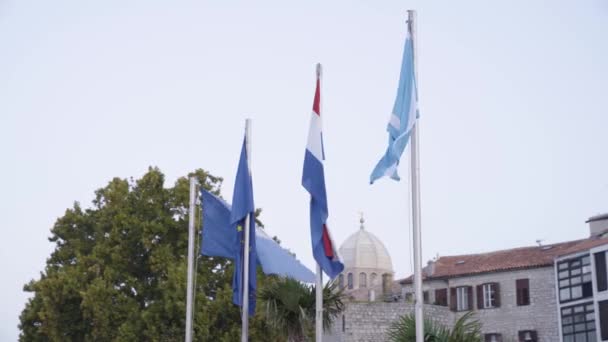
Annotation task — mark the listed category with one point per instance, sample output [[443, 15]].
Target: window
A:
[[488, 296], [461, 298], [578, 323], [600, 271], [603, 306], [527, 336], [343, 323], [441, 297], [350, 281], [425, 297], [362, 279], [373, 279], [462, 301], [492, 338], [523, 291], [574, 276], [341, 281]]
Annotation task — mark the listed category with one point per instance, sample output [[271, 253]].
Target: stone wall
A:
[[508, 319], [369, 322]]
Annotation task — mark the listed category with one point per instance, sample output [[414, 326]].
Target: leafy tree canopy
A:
[[118, 271]]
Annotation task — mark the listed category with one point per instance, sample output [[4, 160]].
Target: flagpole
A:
[[418, 310], [319, 283], [319, 306], [190, 286], [245, 307]]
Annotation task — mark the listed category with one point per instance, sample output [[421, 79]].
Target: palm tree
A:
[[289, 306], [466, 329]]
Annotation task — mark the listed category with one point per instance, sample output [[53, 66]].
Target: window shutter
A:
[[480, 297], [470, 297], [518, 284], [600, 271], [488, 337], [441, 297], [603, 306], [523, 291], [496, 294], [526, 292], [453, 299], [533, 333]]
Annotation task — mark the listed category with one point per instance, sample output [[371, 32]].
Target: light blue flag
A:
[[277, 260], [403, 117]]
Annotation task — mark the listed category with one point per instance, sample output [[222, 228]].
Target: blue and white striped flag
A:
[[404, 116]]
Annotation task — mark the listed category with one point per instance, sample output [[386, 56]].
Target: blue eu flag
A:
[[242, 206], [218, 237]]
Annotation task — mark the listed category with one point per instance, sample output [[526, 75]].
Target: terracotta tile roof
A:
[[509, 259]]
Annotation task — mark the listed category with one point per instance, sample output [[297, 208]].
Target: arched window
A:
[[373, 279], [362, 279], [350, 281], [341, 281]]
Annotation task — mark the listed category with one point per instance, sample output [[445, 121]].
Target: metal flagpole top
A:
[[411, 18], [319, 70], [248, 143]]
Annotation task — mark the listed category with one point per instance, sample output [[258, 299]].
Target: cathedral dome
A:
[[363, 250]]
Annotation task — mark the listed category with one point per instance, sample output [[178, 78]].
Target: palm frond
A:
[[466, 329], [290, 306]]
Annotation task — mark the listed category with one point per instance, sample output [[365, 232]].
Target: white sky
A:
[[512, 96]]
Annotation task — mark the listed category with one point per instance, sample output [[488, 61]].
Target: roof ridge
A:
[[516, 248]]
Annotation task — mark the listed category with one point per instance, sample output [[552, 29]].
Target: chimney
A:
[[598, 224], [429, 269]]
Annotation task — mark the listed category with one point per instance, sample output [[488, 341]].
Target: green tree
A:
[[289, 306], [118, 271], [466, 329]]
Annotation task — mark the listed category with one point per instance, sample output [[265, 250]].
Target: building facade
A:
[[582, 288], [546, 293]]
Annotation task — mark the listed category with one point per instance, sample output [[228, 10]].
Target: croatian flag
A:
[[404, 116], [313, 179]]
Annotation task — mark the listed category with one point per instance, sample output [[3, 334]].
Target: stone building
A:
[[548, 293], [366, 261]]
